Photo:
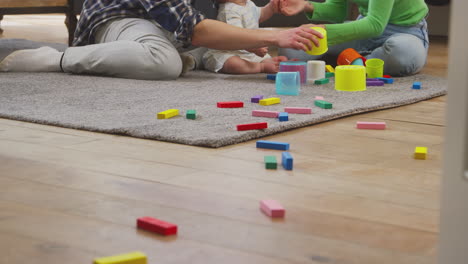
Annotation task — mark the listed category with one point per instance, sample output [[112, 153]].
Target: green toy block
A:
[[270, 162], [329, 74], [322, 81], [191, 114], [323, 104]]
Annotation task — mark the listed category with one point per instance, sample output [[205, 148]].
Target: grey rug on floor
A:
[[129, 107]]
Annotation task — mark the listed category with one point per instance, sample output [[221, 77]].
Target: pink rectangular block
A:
[[319, 97], [298, 110], [263, 113], [371, 125], [272, 208]]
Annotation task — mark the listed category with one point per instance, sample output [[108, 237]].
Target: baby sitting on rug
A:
[[245, 14]]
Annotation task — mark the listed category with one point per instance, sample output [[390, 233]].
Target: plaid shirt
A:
[[178, 16]]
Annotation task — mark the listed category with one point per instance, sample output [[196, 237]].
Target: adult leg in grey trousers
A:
[[127, 48]]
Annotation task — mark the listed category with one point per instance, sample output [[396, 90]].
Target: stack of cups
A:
[[315, 70]]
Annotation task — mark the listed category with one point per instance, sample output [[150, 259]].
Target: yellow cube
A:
[[270, 101], [329, 68], [420, 153], [168, 113], [129, 258]]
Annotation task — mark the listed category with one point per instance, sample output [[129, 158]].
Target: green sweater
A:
[[378, 13]]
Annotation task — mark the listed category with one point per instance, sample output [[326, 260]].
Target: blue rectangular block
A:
[[272, 145], [386, 80], [283, 116], [287, 161], [417, 85], [271, 77]]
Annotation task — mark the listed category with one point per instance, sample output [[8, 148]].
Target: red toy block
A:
[[371, 125], [272, 208], [387, 76], [156, 226], [252, 126], [234, 104]]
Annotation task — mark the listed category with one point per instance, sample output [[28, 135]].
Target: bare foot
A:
[[269, 67]]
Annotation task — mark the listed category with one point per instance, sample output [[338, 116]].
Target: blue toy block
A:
[[283, 116], [417, 85], [272, 145], [386, 80], [271, 77], [287, 160]]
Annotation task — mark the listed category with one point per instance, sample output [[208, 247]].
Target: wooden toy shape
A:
[[252, 126], [298, 110], [283, 116], [420, 153], [168, 114], [287, 160], [272, 208], [270, 101], [330, 68], [375, 83], [323, 104], [262, 113], [233, 104], [386, 80], [271, 77], [371, 125], [157, 226], [329, 74], [128, 258], [272, 145], [191, 114], [270, 162], [256, 99], [417, 85], [322, 81]]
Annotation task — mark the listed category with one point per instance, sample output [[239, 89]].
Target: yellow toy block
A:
[[168, 113], [129, 258], [270, 101], [420, 153], [329, 68]]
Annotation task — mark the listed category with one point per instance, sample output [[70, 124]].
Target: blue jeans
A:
[[403, 48]]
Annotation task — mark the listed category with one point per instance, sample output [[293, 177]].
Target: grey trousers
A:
[[127, 48]]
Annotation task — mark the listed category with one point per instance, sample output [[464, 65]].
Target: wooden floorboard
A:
[[354, 196]]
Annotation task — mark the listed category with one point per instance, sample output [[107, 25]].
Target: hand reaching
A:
[[299, 38], [292, 7]]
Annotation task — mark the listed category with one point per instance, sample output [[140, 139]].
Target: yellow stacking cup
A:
[[323, 44], [350, 78], [374, 68]]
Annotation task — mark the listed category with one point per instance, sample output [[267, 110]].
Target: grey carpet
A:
[[129, 107]]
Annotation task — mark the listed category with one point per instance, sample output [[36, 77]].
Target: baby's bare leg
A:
[[236, 65]]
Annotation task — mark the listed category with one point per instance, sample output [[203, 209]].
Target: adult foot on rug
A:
[[44, 59]]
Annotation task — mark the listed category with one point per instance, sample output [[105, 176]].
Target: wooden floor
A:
[[354, 196]]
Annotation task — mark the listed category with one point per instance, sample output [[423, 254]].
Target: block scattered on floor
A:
[[272, 145], [168, 113], [128, 258], [263, 113], [256, 99], [329, 68], [386, 80], [417, 85], [371, 125], [157, 226], [270, 101], [420, 153], [270, 162], [329, 74], [298, 110], [322, 81], [287, 160], [191, 114], [252, 126], [323, 104], [272, 208], [233, 104], [283, 116]]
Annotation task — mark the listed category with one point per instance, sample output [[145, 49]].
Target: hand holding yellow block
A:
[[270, 101], [129, 258], [168, 113]]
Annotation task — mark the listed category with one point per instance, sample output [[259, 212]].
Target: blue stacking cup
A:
[[288, 83]]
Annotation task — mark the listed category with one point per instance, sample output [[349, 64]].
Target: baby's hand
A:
[[261, 52]]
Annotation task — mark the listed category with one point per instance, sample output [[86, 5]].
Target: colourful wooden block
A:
[[420, 153], [329, 74], [272, 208], [252, 126], [375, 83], [386, 80], [283, 116], [270, 162], [270, 101], [322, 81], [323, 104], [387, 76], [191, 114], [157, 226], [287, 160], [262, 113], [234, 104], [298, 110], [318, 97], [371, 125], [271, 77], [329, 68], [417, 85], [128, 258], [272, 145], [168, 113], [256, 98]]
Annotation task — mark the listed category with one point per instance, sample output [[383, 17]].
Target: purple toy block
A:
[[374, 83], [256, 98]]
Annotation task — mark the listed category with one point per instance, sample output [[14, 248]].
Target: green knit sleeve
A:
[[332, 11]]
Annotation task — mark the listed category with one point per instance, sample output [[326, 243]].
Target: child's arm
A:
[[268, 10]]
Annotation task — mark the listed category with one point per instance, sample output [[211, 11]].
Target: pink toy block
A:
[[272, 208], [273, 114], [156, 225], [298, 110], [319, 98], [371, 125]]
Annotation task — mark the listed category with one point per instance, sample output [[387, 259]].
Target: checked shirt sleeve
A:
[[178, 16]]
